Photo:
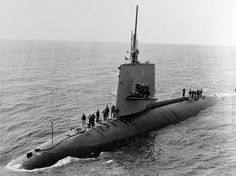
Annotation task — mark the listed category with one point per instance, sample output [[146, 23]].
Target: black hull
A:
[[111, 135]]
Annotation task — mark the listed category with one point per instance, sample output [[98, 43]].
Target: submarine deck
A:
[[166, 102], [102, 126], [59, 139], [157, 103]]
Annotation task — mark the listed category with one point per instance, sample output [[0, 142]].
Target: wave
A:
[[61, 163], [229, 94]]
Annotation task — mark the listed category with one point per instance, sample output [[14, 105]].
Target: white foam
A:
[[231, 94], [14, 167], [63, 162], [109, 161], [17, 167]]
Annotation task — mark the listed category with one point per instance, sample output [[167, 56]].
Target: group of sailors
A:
[[142, 90], [193, 95], [108, 114]]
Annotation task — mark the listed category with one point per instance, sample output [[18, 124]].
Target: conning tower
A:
[[136, 83]]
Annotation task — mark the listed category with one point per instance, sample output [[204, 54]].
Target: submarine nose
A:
[[28, 161], [34, 160], [23, 162]]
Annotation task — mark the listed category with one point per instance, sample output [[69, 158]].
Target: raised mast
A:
[[134, 45], [135, 31]]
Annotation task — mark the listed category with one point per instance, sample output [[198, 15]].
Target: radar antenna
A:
[[134, 42]]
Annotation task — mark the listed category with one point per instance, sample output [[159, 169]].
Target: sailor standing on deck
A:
[[113, 111], [184, 90], [104, 115], [117, 112], [107, 112], [190, 93], [83, 119], [200, 93], [92, 120], [97, 116], [89, 121]]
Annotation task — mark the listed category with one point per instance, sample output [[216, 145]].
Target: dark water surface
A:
[[44, 81]]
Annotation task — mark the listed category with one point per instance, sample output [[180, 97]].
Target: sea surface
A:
[[43, 81]]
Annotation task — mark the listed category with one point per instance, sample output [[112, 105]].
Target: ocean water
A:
[[57, 81]]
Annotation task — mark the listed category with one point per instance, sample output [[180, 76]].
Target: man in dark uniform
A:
[[97, 116], [107, 112], [190, 93], [93, 120], [83, 119], [200, 93], [89, 121], [194, 95], [112, 111], [184, 90], [117, 112]]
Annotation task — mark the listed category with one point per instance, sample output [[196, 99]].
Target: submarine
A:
[[139, 112]]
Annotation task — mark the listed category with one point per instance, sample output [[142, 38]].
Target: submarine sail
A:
[[133, 78], [139, 112]]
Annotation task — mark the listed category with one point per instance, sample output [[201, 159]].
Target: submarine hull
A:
[[107, 135]]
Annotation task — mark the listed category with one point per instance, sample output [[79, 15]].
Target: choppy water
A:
[[44, 81]]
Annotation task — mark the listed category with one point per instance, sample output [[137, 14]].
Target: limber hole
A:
[[28, 155]]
